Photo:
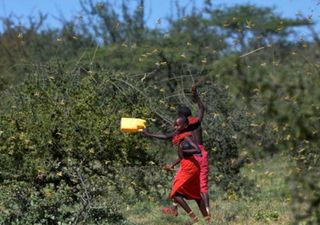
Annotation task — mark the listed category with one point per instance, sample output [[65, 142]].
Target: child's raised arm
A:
[[201, 107]]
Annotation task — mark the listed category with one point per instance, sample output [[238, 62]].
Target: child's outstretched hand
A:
[[145, 132]]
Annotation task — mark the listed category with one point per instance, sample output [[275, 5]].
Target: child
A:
[[186, 183], [194, 126]]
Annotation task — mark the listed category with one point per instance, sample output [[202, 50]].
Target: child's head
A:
[[184, 111]]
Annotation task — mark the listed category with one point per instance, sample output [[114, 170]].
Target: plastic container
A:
[[132, 125]]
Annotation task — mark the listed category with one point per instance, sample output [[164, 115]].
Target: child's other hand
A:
[[145, 132]]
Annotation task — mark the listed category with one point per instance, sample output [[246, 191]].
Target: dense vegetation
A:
[[63, 159]]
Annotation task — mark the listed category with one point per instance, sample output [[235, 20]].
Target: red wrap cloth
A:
[[204, 169], [187, 181], [176, 139], [192, 120]]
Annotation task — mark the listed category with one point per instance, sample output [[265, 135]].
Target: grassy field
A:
[[270, 205]]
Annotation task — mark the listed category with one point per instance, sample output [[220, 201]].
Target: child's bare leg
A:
[[180, 200], [175, 206], [202, 207], [205, 197]]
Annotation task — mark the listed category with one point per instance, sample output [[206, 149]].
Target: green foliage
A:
[[305, 186], [225, 131], [267, 216], [253, 26], [24, 46], [62, 156], [112, 26], [62, 151]]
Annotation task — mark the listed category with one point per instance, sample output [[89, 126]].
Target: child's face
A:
[[180, 124]]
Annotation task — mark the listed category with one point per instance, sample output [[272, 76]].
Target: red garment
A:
[[176, 139], [192, 120], [204, 169], [187, 181]]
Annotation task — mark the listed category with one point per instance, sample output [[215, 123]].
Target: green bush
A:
[[63, 157]]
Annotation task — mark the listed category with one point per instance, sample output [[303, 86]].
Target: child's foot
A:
[[171, 211], [208, 219]]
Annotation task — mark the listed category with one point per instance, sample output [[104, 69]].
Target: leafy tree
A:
[[111, 26], [253, 26]]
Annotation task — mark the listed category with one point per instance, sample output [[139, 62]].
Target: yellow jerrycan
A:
[[132, 125]]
